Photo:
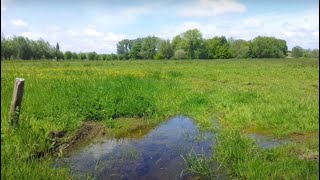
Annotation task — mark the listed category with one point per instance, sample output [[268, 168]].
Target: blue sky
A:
[[96, 25]]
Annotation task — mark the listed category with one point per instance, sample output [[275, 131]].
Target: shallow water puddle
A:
[[268, 142], [154, 156]]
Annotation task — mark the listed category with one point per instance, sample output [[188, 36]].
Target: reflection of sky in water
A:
[[155, 155], [148, 157], [100, 149], [268, 142]]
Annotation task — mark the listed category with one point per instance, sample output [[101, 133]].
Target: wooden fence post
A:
[[16, 101]]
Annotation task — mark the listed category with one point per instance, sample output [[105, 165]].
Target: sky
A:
[[96, 25]]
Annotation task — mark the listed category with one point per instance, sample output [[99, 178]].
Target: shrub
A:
[[180, 54]]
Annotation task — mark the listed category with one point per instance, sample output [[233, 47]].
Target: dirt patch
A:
[[59, 134], [307, 154], [310, 156], [87, 132], [301, 137], [62, 141]]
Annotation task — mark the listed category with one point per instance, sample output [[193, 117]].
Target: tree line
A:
[[298, 52], [187, 45]]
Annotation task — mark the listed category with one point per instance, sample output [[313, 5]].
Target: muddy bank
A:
[[63, 141]]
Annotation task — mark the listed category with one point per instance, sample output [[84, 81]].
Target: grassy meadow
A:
[[273, 97]]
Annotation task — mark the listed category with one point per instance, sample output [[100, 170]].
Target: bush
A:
[[158, 56], [297, 51], [74, 55], [67, 55], [92, 55], [82, 56], [180, 54]]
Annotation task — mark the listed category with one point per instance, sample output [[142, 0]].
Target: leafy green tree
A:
[[165, 50], [135, 48], [10, 50], [315, 53], [307, 53], [103, 57], [239, 48], [46, 50], [180, 54], [123, 48], [23, 47], [297, 51], [57, 47], [68, 55], [115, 57], [177, 43], [149, 47], [218, 48], [267, 47], [74, 55], [83, 56], [58, 53], [98, 57], [92, 55], [190, 41]]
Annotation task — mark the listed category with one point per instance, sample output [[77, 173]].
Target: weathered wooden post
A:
[[16, 101]]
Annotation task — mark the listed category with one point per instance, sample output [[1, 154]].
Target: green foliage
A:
[[135, 51], [180, 54], [315, 53], [92, 55], [158, 56], [68, 55], [218, 48], [59, 55], [165, 50], [57, 47], [82, 56], [123, 48], [297, 51], [308, 53], [23, 48], [267, 47], [243, 159], [75, 56], [98, 57], [190, 41], [103, 57], [177, 42], [239, 48], [149, 47], [198, 164]]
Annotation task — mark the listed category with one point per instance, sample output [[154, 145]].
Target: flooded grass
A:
[[155, 155]]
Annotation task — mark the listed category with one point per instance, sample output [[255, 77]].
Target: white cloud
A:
[[19, 23], [252, 22], [32, 35], [113, 37], [300, 28], [316, 34], [168, 32], [77, 41], [122, 17], [92, 32], [211, 8], [72, 33]]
